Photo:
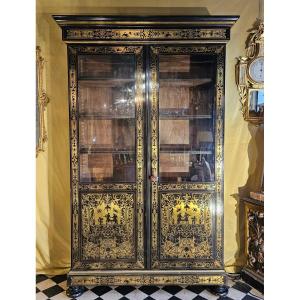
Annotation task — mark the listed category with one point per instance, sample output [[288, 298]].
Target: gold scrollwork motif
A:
[[186, 226], [147, 280], [108, 226], [41, 102], [186, 186], [217, 261], [145, 34], [107, 187], [138, 188]]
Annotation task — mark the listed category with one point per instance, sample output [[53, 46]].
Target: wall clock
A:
[[250, 76]]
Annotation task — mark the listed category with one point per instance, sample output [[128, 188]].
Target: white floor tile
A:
[[43, 285], [41, 296], [88, 295], [206, 294], [161, 295], [136, 295], [63, 284], [111, 295], [235, 294], [185, 294], [61, 296]]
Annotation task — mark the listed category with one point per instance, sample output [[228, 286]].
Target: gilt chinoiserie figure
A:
[[146, 98]]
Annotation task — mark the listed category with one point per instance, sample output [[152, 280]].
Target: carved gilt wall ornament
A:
[[41, 102], [250, 76]]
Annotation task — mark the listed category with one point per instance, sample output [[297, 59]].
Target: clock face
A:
[[256, 69]]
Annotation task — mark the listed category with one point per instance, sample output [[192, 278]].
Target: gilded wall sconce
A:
[[41, 103]]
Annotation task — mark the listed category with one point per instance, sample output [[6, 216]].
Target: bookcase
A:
[[146, 99]]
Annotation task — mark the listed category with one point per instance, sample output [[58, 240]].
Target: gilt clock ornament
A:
[[250, 76]]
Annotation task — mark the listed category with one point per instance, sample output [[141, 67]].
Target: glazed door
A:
[[107, 156], [186, 121]]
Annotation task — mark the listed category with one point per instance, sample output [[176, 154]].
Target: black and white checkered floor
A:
[[53, 287]]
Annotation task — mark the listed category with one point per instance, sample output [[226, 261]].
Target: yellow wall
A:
[[243, 142]]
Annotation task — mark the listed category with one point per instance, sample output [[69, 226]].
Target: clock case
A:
[[245, 83]]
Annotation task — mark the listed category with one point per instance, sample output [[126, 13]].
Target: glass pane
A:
[[107, 125], [107, 167], [186, 119], [106, 66], [256, 103], [109, 134]]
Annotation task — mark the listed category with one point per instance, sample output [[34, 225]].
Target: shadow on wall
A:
[[254, 182]]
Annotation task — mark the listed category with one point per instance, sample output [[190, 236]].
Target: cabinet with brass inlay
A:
[[146, 98]]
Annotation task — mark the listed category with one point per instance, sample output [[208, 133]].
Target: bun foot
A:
[[75, 291], [219, 290]]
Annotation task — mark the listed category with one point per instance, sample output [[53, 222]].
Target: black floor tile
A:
[[59, 278], [172, 289], [196, 288], [174, 298], [198, 297], [124, 290], [36, 290], [101, 290], [241, 286], [52, 291], [148, 289], [40, 278], [248, 297]]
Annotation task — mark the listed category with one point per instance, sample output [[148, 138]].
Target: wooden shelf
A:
[[104, 117], [186, 151], [104, 82], [164, 116], [87, 149], [183, 82]]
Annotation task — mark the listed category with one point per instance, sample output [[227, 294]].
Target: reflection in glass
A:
[[114, 134], [107, 167], [256, 103], [106, 101], [186, 126]]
